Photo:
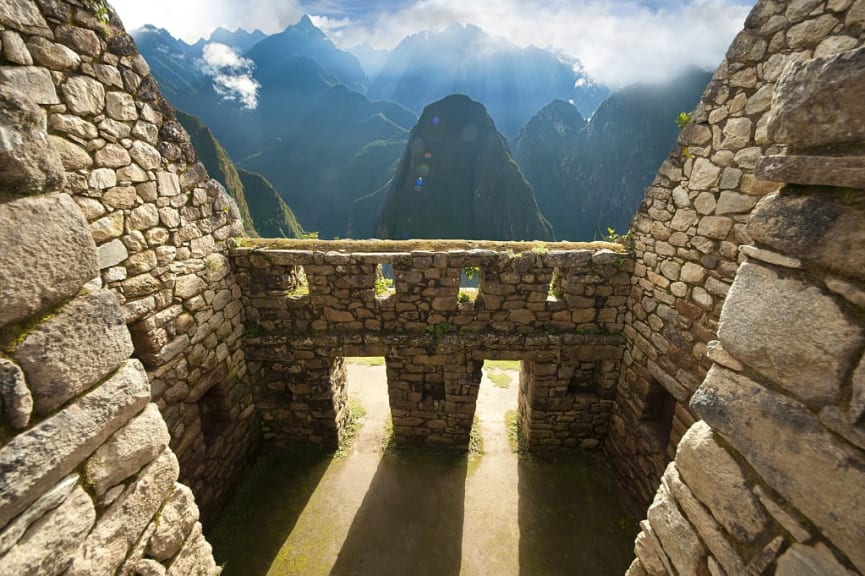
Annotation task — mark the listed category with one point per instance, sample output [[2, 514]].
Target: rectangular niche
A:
[[656, 419]]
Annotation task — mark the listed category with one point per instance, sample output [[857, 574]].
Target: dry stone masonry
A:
[[770, 477], [559, 308]]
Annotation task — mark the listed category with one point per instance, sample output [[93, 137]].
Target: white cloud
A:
[[617, 41], [231, 74], [194, 19]]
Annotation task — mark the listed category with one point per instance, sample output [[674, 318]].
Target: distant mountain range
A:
[[325, 127]]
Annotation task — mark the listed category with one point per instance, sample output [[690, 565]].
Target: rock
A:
[[857, 401], [716, 353], [46, 258], [677, 536], [53, 56], [754, 253], [74, 349], [176, 520], [112, 254], [81, 40], [120, 106], [22, 14], [72, 156], [789, 331], [734, 203], [809, 33], [13, 532], [112, 156], [841, 171], [704, 175], [705, 203], [120, 198], [716, 227], [35, 82], [145, 155], [35, 460], [121, 525], [819, 103], [737, 133], [818, 560], [169, 184], [798, 10], [789, 524], [49, 544], [14, 48], [708, 529], [84, 96], [195, 558], [856, 15], [16, 399], [810, 467], [128, 450], [144, 217], [835, 45], [190, 285], [814, 228], [74, 126], [148, 567], [718, 482]]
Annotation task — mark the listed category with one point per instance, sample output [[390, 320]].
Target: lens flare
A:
[[436, 120], [423, 169]]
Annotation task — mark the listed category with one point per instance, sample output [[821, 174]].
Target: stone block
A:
[[37, 459], [176, 520], [717, 481], [789, 331], [14, 531], [34, 81], [74, 349], [819, 102], [49, 544], [52, 55], [678, 539], [812, 228], [112, 254], [841, 171], [84, 96], [818, 560], [195, 558], [810, 467], [128, 450], [47, 256], [72, 156], [15, 397], [22, 14], [121, 525], [28, 163]]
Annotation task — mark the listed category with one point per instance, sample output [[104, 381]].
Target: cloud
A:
[[333, 27], [231, 74], [190, 20], [617, 41]]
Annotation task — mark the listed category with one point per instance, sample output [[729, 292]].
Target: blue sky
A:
[[618, 41]]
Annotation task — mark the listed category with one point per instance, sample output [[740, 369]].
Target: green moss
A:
[[356, 413], [502, 364]]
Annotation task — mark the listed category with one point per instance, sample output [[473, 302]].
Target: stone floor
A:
[[407, 513]]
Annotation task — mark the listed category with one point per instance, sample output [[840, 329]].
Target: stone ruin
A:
[[718, 363]]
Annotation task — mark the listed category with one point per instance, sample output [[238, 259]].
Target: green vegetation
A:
[[383, 285], [540, 249], [366, 360], [515, 436], [387, 444], [500, 379], [271, 215], [683, 119], [476, 440], [467, 296], [437, 330], [502, 364], [356, 413], [471, 272]]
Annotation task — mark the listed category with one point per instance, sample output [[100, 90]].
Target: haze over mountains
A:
[[297, 112]]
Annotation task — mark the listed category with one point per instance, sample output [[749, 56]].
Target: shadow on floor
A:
[[411, 519], [252, 529], [574, 518]]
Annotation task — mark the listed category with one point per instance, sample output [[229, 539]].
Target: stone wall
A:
[[770, 479], [160, 226], [88, 482], [558, 308], [693, 224]]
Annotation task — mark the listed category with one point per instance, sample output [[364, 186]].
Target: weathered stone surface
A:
[[789, 523], [176, 520], [734, 203], [819, 102], [717, 481], [48, 545], [807, 465], [190, 285], [770, 257], [72, 156], [124, 521], [112, 156], [121, 106], [716, 227], [21, 14], [74, 349], [74, 125], [15, 397], [195, 558], [709, 530], [14, 48], [716, 353], [34, 81], [13, 531], [112, 254], [169, 184], [818, 560], [704, 175], [37, 459], [84, 95], [46, 258], [812, 228], [128, 450], [53, 56], [762, 325], [144, 217], [145, 155], [677, 536], [857, 401], [148, 567], [842, 171]]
